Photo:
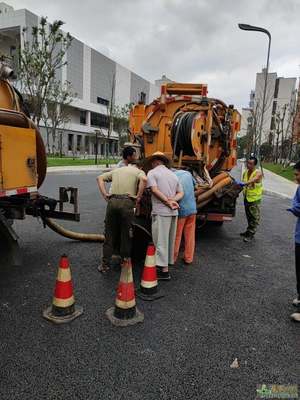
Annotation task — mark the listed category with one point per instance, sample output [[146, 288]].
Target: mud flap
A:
[[9, 247]]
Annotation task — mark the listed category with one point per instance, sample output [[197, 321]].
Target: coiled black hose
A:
[[181, 134]]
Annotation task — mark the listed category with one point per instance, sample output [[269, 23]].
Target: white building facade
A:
[[280, 94], [246, 121], [92, 76]]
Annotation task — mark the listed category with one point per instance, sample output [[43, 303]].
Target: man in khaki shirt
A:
[[127, 186]]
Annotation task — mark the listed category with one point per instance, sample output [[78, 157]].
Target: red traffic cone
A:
[[149, 286], [63, 308], [125, 312]]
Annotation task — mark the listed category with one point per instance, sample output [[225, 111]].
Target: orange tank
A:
[[16, 128]]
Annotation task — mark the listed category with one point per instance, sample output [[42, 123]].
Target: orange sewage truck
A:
[[197, 133]]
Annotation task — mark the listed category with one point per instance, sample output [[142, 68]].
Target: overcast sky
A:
[[188, 40]]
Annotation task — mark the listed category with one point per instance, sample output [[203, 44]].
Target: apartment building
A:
[[246, 121], [91, 75], [280, 94]]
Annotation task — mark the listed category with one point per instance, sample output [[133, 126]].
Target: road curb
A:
[[277, 194], [53, 170]]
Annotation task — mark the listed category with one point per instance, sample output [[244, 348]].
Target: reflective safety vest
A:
[[253, 192]]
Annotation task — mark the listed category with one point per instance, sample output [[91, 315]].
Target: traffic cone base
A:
[[149, 287], [150, 295], [63, 319], [124, 312], [134, 316], [63, 308]]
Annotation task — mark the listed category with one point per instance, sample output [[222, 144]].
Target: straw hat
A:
[[158, 155]]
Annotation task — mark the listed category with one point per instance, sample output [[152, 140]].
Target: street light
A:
[[246, 27], [96, 146]]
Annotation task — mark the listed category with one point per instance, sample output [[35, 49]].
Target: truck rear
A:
[[197, 133]]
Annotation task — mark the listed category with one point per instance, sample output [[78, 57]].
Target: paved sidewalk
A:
[[79, 168], [277, 185]]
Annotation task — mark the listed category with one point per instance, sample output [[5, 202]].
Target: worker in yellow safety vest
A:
[[253, 190]]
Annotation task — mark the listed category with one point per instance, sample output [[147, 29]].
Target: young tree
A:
[[266, 150], [121, 120], [56, 113], [287, 142], [284, 133], [41, 57]]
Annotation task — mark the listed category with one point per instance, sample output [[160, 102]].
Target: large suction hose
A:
[[219, 185], [215, 180], [84, 237], [201, 205], [205, 198]]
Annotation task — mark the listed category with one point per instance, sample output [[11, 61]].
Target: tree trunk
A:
[[276, 151], [47, 141]]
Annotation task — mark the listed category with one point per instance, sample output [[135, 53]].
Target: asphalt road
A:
[[234, 302]]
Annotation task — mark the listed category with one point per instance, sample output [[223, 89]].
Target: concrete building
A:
[[281, 93], [91, 75], [246, 121], [251, 101]]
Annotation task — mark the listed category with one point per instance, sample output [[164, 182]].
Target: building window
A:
[[102, 101], [82, 117], [143, 98], [99, 120], [12, 51], [102, 149], [79, 138], [70, 142], [276, 88]]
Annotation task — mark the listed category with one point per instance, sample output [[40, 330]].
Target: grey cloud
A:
[[189, 40]]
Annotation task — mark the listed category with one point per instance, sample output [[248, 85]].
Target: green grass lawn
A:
[[285, 172], [69, 161]]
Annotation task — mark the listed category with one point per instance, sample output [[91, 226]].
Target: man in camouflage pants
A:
[[253, 190]]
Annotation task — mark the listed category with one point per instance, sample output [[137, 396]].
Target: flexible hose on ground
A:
[[84, 237]]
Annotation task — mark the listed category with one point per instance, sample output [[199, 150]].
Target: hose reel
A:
[[181, 134]]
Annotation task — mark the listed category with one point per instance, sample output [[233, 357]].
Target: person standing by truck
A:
[[166, 192], [127, 187], [186, 224], [128, 157], [295, 210], [253, 190]]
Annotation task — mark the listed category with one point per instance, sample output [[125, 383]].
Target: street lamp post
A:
[[96, 147], [246, 27]]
